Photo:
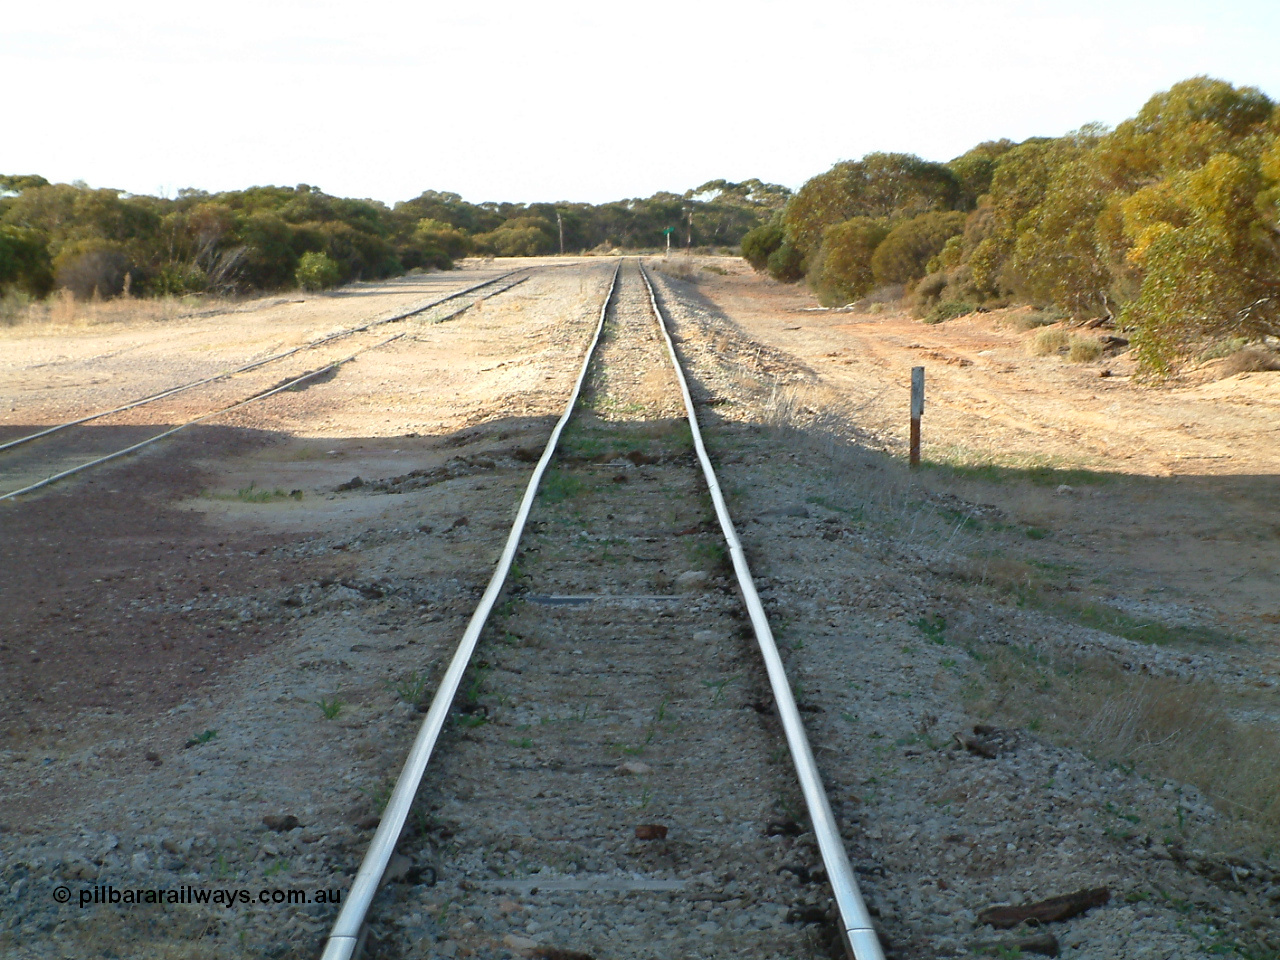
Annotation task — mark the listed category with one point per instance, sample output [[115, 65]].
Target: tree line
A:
[[105, 243], [1168, 224]]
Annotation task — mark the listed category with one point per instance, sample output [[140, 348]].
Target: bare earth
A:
[[1199, 521], [176, 627]]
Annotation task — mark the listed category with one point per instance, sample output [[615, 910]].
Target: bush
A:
[[92, 268], [954, 286], [519, 237], [949, 310], [928, 293], [317, 271], [786, 263], [178, 279], [1224, 348], [880, 185], [24, 261], [949, 256], [759, 244], [1083, 350], [1049, 340], [436, 244], [14, 305], [842, 270], [904, 255]]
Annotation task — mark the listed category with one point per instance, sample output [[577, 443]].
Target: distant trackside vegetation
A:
[[105, 243], [1169, 225]]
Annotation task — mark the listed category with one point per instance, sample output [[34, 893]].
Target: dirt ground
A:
[[1173, 498], [180, 540], [176, 627]]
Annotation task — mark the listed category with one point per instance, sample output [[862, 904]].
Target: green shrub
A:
[[949, 256], [904, 255], [436, 244], [949, 310], [177, 279], [24, 261], [974, 169], [317, 271], [519, 237], [841, 272], [928, 293], [759, 244], [13, 306], [1224, 348], [881, 185], [785, 263]]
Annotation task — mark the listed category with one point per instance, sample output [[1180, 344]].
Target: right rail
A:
[[855, 922]]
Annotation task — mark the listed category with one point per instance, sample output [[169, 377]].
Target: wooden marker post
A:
[[917, 411]]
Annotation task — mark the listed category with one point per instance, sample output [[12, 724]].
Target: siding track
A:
[[614, 695], [91, 442]]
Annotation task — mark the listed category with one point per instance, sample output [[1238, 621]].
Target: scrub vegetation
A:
[[1167, 226], [59, 239]]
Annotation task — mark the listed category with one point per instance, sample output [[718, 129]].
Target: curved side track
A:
[[855, 921], [345, 935], [226, 374], [287, 385]]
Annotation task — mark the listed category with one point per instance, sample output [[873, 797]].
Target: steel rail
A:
[[226, 374], [345, 934], [859, 935], [295, 381]]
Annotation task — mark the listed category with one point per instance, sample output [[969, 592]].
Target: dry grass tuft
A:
[[1168, 727], [679, 269], [1250, 360], [1048, 340], [1029, 318], [1084, 350], [61, 309]]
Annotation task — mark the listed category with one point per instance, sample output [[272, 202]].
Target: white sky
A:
[[573, 100]]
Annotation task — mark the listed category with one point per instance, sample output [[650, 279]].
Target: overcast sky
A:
[[568, 100]]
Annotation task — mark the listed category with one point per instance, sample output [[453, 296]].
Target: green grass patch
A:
[[707, 553], [558, 486], [856, 514], [1101, 616], [1040, 474], [934, 628], [255, 494]]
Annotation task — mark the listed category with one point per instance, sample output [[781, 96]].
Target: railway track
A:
[[27, 467], [615, 724]]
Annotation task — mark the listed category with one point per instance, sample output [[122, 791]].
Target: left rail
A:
[[346, 932]]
